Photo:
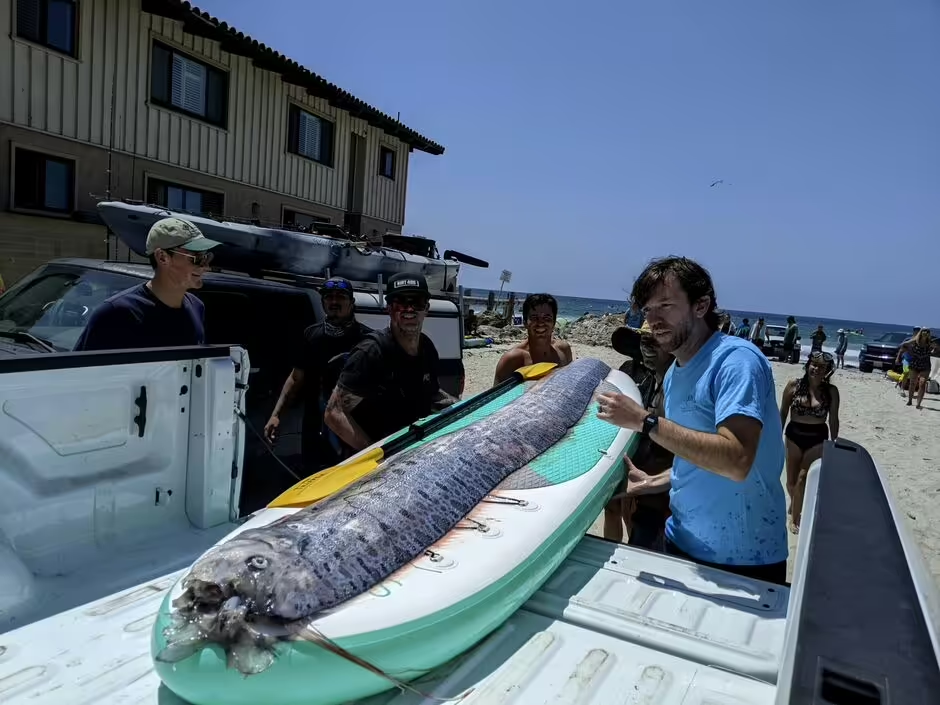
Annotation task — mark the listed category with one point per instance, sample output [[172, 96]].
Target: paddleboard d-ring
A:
[[434, 561], [497, 499]]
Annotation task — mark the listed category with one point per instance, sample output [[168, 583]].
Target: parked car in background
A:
[[46, 311], [773, 340], [881, 353]]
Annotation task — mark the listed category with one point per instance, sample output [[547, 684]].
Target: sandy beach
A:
[[903, 441]]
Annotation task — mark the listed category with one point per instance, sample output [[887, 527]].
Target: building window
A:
[[43, 183], [310, 136], [184, 198], [48, 22], [386, 162], [302, 220], [189, 86]]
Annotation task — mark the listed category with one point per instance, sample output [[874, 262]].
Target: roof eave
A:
[[202, 24]]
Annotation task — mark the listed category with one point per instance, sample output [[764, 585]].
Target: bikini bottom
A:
[[807, 435]]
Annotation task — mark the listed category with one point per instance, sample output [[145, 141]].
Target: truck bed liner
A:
[[612, 625]]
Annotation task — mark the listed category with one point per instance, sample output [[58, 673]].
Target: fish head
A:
[[266, 574]]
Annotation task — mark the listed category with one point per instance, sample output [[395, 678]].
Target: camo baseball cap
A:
[[171, 233]]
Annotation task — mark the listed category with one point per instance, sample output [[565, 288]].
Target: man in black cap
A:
[[643, 505], [317, 364], [390, 379]]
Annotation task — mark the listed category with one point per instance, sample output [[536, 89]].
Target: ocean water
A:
[[572, 307]]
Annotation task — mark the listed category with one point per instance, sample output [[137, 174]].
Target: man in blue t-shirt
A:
[[722, 423], [160, 312]]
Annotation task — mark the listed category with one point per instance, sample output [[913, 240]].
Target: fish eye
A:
[[257, 562]]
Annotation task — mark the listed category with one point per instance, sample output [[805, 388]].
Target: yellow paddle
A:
[[327, 482]]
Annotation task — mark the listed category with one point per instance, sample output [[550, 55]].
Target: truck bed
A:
[[612, 625]]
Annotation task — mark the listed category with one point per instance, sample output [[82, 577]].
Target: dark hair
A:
[[694, 279], [533, 300], [829, 361], [153, 261]]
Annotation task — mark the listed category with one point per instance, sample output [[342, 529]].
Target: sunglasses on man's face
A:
[[418, 303], [200, 259]]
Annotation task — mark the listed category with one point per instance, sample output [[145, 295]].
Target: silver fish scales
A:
[[340, 547]]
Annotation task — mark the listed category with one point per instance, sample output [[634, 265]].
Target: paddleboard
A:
[[443, 603]]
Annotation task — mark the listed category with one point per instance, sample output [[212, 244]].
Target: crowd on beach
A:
[[703, 482]]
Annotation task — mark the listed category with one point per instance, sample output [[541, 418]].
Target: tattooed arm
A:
[[338, 417]]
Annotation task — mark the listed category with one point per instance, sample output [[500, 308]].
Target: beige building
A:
[[156, 101]]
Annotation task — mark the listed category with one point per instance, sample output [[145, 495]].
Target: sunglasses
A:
[[201, 259], [415, 302], [338, 285]]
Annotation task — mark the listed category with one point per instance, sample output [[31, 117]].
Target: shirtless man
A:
[[539, 312]]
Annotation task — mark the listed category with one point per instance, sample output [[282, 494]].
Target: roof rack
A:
[[313, 281]]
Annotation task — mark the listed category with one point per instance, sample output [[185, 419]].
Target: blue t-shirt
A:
[[716, 519], [136, 318]]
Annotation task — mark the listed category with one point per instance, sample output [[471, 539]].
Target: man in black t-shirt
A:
[[317, 364], [160, 312], [390, 379]]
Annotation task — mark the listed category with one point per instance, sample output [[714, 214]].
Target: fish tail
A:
[[315, 636]]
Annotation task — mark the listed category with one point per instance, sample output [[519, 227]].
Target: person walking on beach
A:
[[744, 331], [757, 333], [812, 402], [918, 348], [643, 505], [818, 338], [539, 313], [728, 508], [791, 353], [842, 344]]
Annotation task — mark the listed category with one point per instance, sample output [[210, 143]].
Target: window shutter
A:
[[154, 195], [27, 19], [189, 85], [213, 203], [309, 136], [160, 74]]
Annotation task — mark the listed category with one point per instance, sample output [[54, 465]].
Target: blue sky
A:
[[581, 142]]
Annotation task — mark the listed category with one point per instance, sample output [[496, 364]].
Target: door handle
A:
[[141, 418]]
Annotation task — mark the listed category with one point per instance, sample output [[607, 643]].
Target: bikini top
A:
[[920, 355], [802, 401]]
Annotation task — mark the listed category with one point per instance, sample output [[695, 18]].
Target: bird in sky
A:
[[715, 183]]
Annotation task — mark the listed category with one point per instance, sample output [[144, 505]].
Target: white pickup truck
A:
[[118, 469]]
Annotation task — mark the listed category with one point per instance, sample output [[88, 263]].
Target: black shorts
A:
[[807, 435], [769, 572]]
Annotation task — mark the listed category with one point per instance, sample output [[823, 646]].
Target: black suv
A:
[[47, 310], [881, 353]]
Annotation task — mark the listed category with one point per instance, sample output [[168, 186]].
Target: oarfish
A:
[[248, 593]]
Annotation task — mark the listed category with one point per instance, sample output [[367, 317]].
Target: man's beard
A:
[[679, 337]]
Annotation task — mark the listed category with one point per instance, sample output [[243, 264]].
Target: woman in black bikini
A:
[[919, 348], [813, 401]]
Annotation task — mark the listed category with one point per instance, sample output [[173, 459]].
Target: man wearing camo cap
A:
[[160, 312]]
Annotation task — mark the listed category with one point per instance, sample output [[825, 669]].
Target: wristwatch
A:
[[649, 423]]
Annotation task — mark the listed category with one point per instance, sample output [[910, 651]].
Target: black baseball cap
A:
[[406, 284], [337, 284]]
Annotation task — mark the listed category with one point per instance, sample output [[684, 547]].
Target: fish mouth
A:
[[206, 615]]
